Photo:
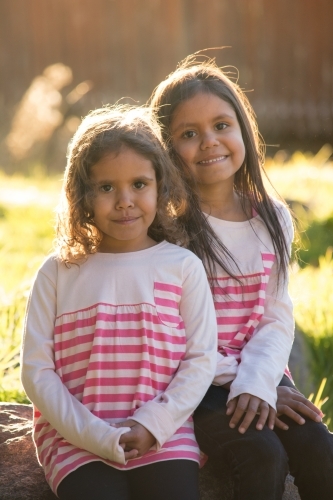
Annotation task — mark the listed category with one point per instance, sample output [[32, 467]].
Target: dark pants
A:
[[260, 460], [169, 480]]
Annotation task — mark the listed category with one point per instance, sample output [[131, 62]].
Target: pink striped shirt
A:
[[255, 318], [121, 336]]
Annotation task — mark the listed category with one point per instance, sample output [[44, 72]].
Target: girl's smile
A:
[[125, 201], [206, 133]]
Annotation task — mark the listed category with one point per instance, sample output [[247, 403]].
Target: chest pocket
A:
[[167, 298]]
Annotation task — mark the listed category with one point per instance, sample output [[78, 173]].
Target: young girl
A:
[[210, 129], [120, 323]]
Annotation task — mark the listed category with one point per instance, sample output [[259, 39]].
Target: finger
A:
[[263, 416], [308, 409], [250, 415], [280, 424], [231, 406], [131, 454], [241, 408], [289, 412], [271, 418], [125, 423], [127, 437]]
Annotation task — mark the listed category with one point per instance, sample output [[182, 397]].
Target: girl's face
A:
[[206, 134], [125, 201]]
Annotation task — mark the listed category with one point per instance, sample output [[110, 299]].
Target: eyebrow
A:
[[135, 179], [186, 124]]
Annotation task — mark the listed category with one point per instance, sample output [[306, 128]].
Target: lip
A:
[[126, 220], [209, 160]]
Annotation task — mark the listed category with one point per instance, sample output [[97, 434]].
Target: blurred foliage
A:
[[11, 325], [319, 401], [312, 292], [305, 180]]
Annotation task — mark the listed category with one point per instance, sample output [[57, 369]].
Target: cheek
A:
[[182, 149], [239, 144]]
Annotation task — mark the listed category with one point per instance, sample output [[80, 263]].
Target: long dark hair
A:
[[193, 77]]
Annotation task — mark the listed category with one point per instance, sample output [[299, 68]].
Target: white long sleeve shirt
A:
[[255, 319], [121, 336]]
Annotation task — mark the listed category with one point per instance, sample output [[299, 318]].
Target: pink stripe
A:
[[122, 382], [110, 414], [168, 455], [236, 290], [123, 349], [233, 320], [102, 304], [128, 349], [71, 359], [268, 257], [246, 304], [166, 303], [40, 426], [180, 442], [226, 278], [115, 366], [169, 318], [103, 316], [64, 471], [120, 398], [75, 341], [74, 325], [44, 437], [110, 318], [168, 288]]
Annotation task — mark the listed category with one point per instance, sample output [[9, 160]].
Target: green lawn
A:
[[26, 238]]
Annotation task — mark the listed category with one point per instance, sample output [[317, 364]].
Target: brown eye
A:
[[189, 134], [139, 185], [106, 188], [221, 126]]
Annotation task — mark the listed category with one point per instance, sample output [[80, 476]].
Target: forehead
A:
[[125, 163], [201, 106]]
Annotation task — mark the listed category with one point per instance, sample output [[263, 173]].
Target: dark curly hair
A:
[[108, 130]]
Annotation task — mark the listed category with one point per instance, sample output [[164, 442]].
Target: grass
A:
[[26, 229], [312, 292], [26, 236]]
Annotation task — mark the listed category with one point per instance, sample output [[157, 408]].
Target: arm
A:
[[167, 412], [226, 370], [43, 385], [265, 356]]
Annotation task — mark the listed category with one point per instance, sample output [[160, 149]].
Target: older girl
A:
[[212, 136]]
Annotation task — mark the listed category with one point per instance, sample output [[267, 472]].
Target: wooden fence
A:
[[283, 50]]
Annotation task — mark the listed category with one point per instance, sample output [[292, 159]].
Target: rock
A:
[[22, 478]]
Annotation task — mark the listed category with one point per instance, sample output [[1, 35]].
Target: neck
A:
[[222, 203]]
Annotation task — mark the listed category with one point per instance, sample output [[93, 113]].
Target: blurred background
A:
[[61, 58]]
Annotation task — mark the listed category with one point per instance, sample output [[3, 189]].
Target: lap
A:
[[176, 479], [215, 437]]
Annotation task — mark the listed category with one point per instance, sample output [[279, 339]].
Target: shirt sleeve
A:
[[167, 412], [64, 412], [226, 369], [265, 356]]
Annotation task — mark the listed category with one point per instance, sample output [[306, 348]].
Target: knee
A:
[[313, 438], [266, 451]]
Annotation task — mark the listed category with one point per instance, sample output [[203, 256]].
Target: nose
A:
[[209, 140], [124, 200]]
